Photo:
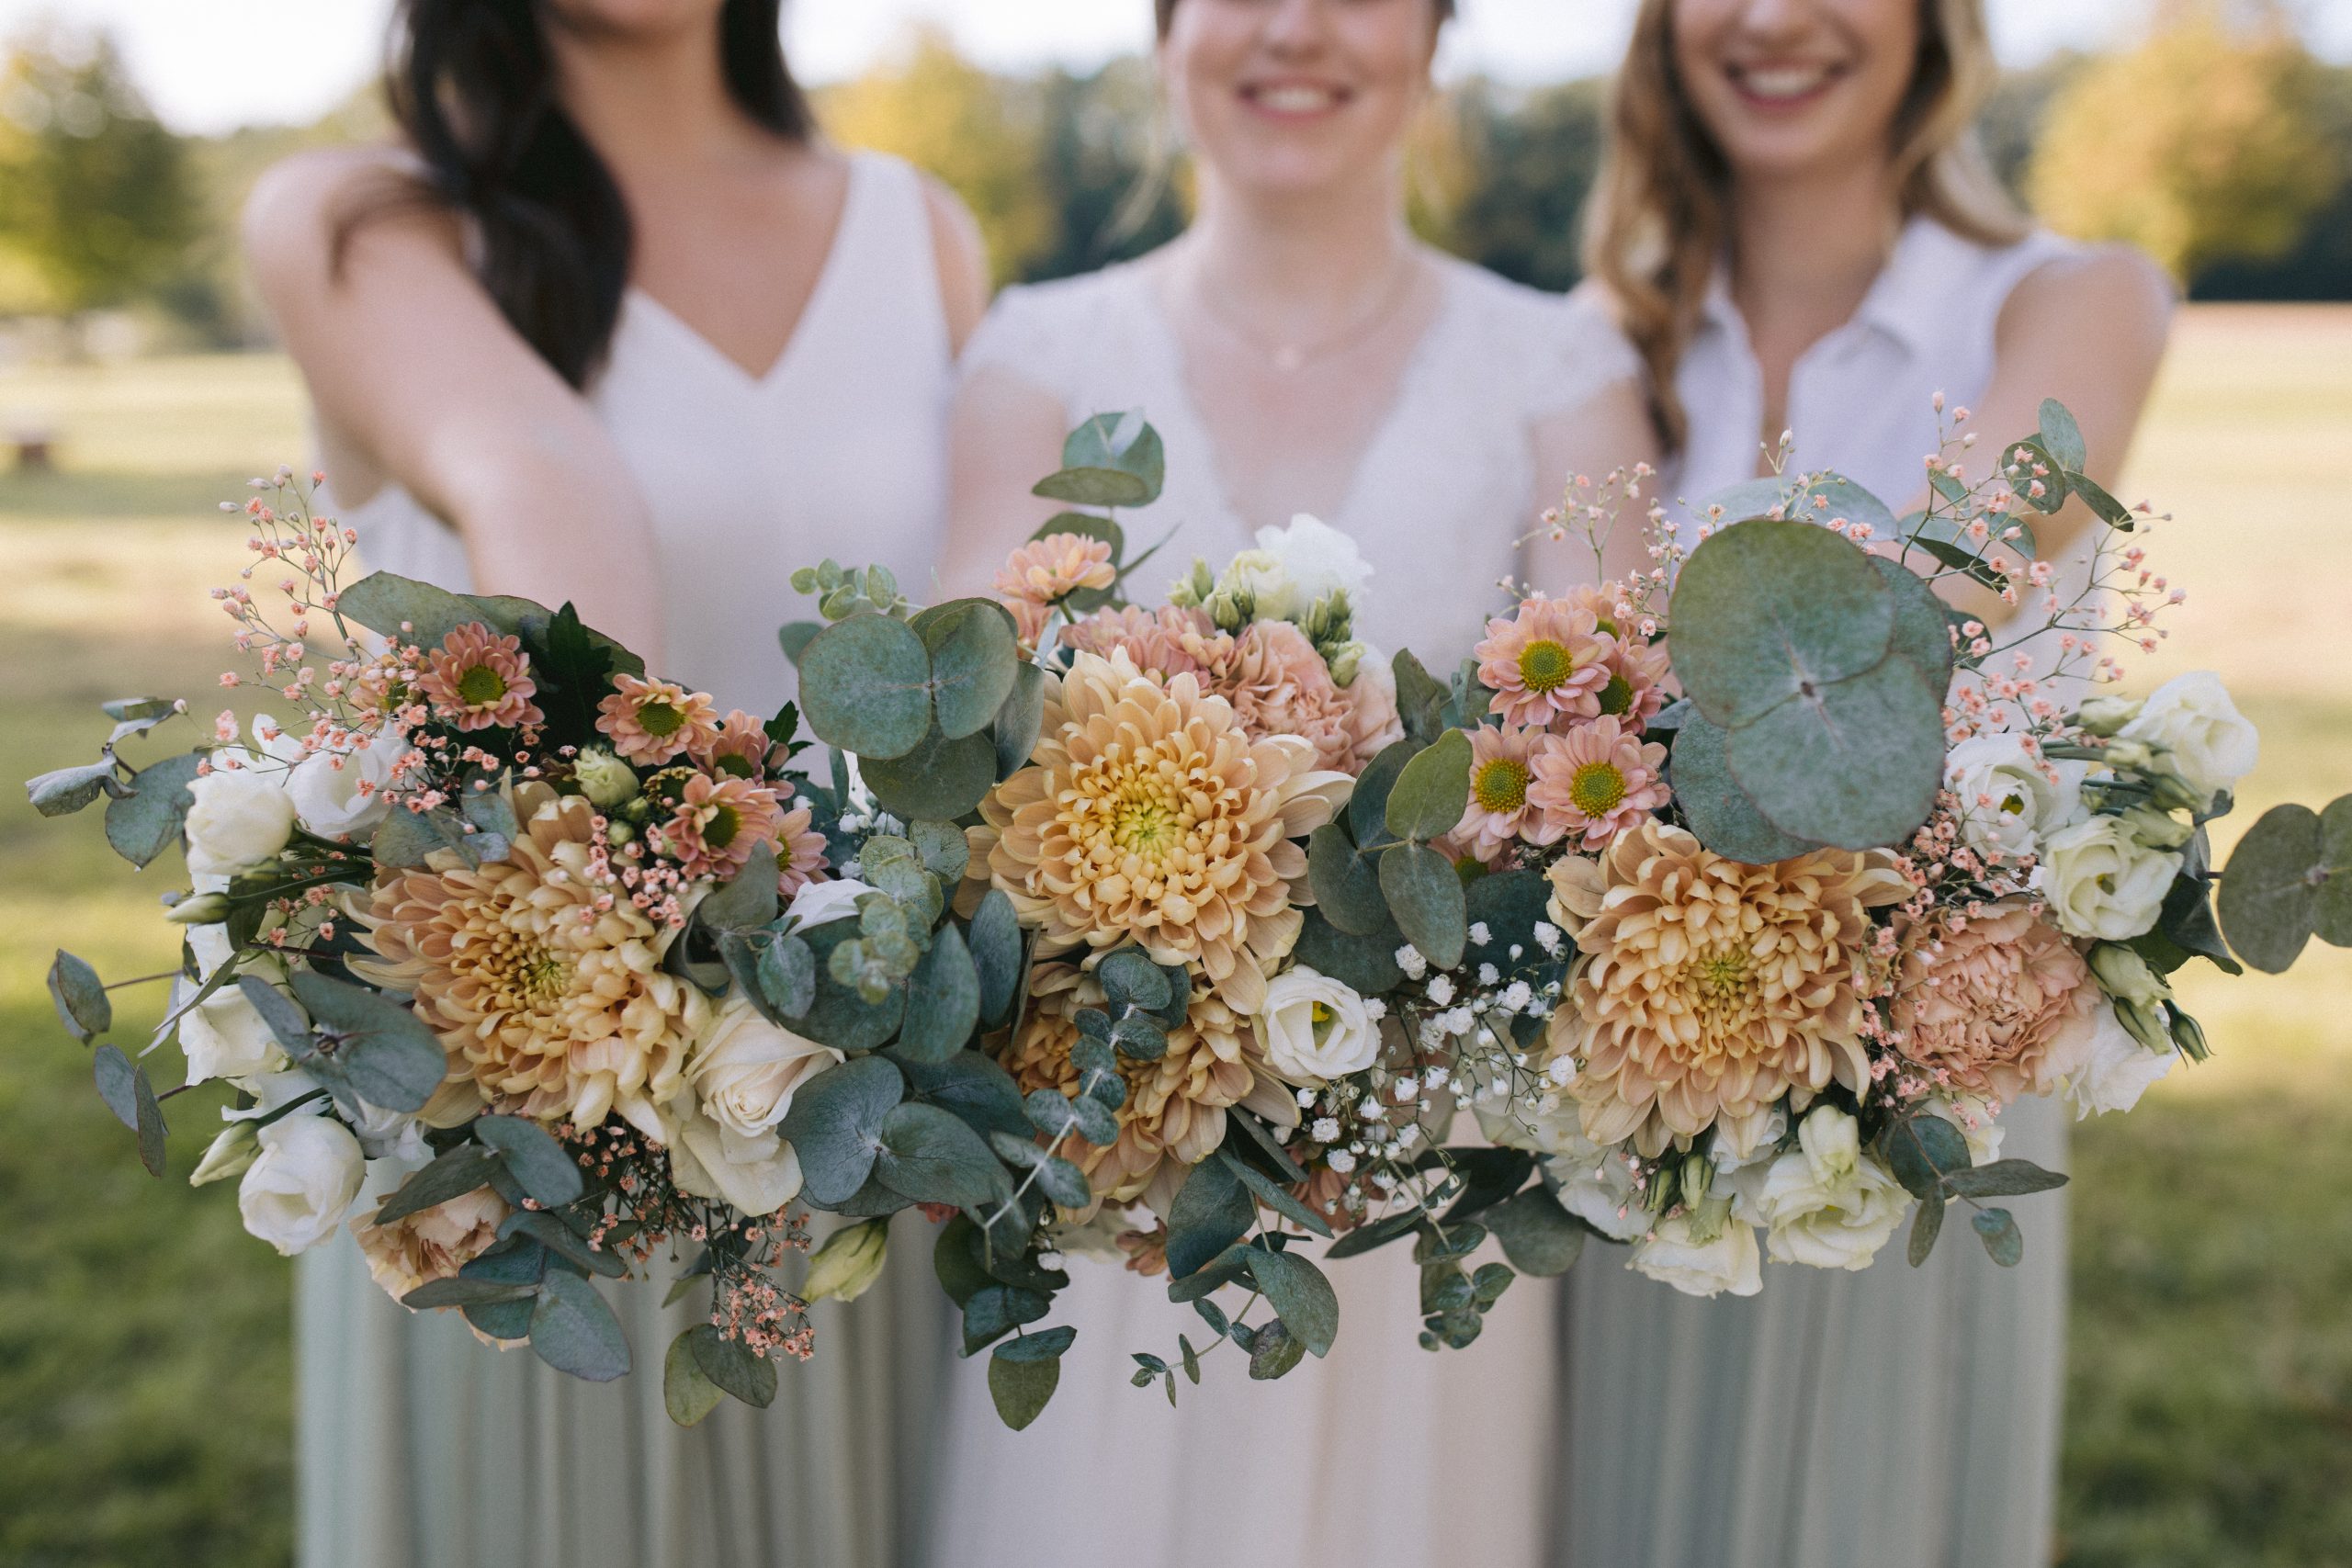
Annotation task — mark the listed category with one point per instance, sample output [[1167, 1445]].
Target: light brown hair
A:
[[1661, 208]]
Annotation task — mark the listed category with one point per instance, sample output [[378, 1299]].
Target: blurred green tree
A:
[[1527, 162], [2207, 142], [96, 198]]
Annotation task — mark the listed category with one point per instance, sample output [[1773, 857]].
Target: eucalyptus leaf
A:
[[1432, 790], [1021, 1388], [2002, 1178], [837, 1015], [145, 823], [938, 778], [1212, 1212], [1257, 1132], [975, 1087], [835, 1126], [943, 1000], [1300, 1293], [1922, 632], [942, 850], [2036, 467], [573, 1331], [1716, 807], [383, 1051], [2003, 1242], [114, 1074], [1277, 1198], [2061, 437], [687, 1393], [1420, 704], [732, 1366], [80, 996], [996, 1310], [929, 1154], [1768, 611], [457, 1291], [1927, 1222], [68, 790], [749, 898], [1856, 764], [786, 976], [1922, 1150], [1019, 721], [1086, 525], [547, 1170], [995, 943], [1346, 884], [1538, 1235], [1274, 1352], [2269, 900], [974, 659], [866, 686], [1426, 897], [453, 1174], [2109, 510], [2332, 908], [1367, 965]]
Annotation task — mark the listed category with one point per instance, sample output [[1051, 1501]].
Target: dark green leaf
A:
[[1044, 1345], [1275, 1351], [1346, 884], [1275, 1196], [943, 1002], [1537, 1235], [866, 686], [835, 1126], [1113, 459], [573, 1331], [749, 901], [1432, 790], [2002, 1178], [1086, 525], [1212, 1212], [2029, 455], [1014, 734], [995, 943], [1130, 978], [2269, 897], [838, 1016], [1421, 702], [1022, 1388], [1922, 1150], [785, 977], [115, 1075], [1426, 897], [687, 1392], [1227, 1267], [2331, 910], [1365, 963], [547, 1170], [955, 1257], [148, 1122], [1057, 1178], [385, 1052], [454, 1174], [996, 1311], [1256, 1132], [2061, 437], [795, 637], [80, 997], [732, 1365], [2003, 1242], [1309, 1309], [971, 1086], [1368, 804], [462, 1291], [1713, 805], [145, 823], [1926, 1225], [932, 1156]]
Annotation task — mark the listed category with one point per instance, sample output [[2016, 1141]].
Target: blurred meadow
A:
[[145, 1363]]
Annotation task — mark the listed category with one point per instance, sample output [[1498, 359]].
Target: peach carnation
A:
[[547, 990], [431, 1244], [1279, 685], [654, 722], [1173, 1116], [1502, 767], [477, 680], [1163, 642], [1709, 989], [1148, 815], [1993, 1002], [718, 824], [800, 852], [1597, 780], [1548, 661], [1047, 570]]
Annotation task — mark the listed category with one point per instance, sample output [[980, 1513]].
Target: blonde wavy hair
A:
[[1660, 215]]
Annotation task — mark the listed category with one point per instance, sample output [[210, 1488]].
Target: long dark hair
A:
[[472, 86]]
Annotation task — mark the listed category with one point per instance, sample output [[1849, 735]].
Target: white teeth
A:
[[1783, 82], [1297, 100]]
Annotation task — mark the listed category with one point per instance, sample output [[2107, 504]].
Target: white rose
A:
[[2109, 1069], [238, 815], [2024, 805], [2103, 880], [223, 1037], [1702, 1252], [1825, 1203], [2192, 721], [338, 794], [744, 1070], [758, 1174], [819, 902], [1314, 1029], [302, 1183], [1318, 559]]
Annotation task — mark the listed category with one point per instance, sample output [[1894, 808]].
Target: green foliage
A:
[[835, 1125], [1113, 459], [2291, 878]]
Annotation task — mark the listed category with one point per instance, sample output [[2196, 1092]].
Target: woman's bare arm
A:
[[408, 360], [1609, 431], [1003, 436]]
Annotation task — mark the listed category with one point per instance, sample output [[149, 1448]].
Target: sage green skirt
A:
[[420, 1447], [1890, 1418]]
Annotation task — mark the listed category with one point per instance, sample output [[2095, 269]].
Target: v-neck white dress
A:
[[420, 1448], [1382, 1455], [1895, 1417]]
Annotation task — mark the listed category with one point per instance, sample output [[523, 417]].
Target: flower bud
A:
[[2128, 756], [2146, 1024], [849, 1262], [603, 778], [2128, 976], [1193, 588], [618, 833], [2157, 830], [2105, 716], [1698, 1175], [227, 1155], [2189, 1036], [199, 910], [1344, 660]]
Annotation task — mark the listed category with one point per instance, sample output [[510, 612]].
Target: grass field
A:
[[144, 1352]]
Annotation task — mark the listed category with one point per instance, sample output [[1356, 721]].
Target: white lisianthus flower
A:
[[1317, 559], [1596, 1187], [819, 902], [302, 1183], [223, 1037], [2103, 880], [1702, 1252], [1258, 576], [2109, 1069], [2192, 722], [1825, 1203], [2008, 804], [1315, 1028], [238, 815], [339, 795], [745, 1069], [757, 1175]]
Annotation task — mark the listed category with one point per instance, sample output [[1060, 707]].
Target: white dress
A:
[[1382, 1455], [420, 1448], [1897, 1417]]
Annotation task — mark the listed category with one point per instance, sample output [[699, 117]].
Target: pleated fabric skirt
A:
[[1890, 1418], [420, 1447]]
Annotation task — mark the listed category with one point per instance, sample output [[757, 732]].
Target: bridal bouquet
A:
[[1734, 900]]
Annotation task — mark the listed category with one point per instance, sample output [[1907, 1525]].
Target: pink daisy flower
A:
[[1636, 686], [1502, 765], [800, 852], [653, 721], [1597, 780], [1047, 570], [718, 824], [742, 750], [477, 680], [1551, 659]]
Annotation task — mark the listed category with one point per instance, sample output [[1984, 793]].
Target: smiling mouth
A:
[[1779, 85], [1295, 99]]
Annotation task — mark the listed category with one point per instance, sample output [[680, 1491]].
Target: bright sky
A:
[[211, 64]]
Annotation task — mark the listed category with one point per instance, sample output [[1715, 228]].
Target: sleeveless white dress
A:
[[421, 1448], [1381, 1455], [1895, 1417]]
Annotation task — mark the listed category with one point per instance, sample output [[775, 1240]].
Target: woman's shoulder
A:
[[2113, 283], [299, 210]]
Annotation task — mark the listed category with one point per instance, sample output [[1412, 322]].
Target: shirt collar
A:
[[1906, 301]]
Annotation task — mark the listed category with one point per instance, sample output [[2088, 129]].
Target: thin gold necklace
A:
[[1292, 358]]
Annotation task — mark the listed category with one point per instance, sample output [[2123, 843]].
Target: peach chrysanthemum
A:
[[1547, 661], [1995, 1003], [431, 1244], [477, 680], [1047, 570], [1597, 780], [800, 852], [654, 722], [740, 748], [546, 989], [1148, 815], [1710, 988], [1502, 768], [1173, 1116], [718, 824], [1164, 642]]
